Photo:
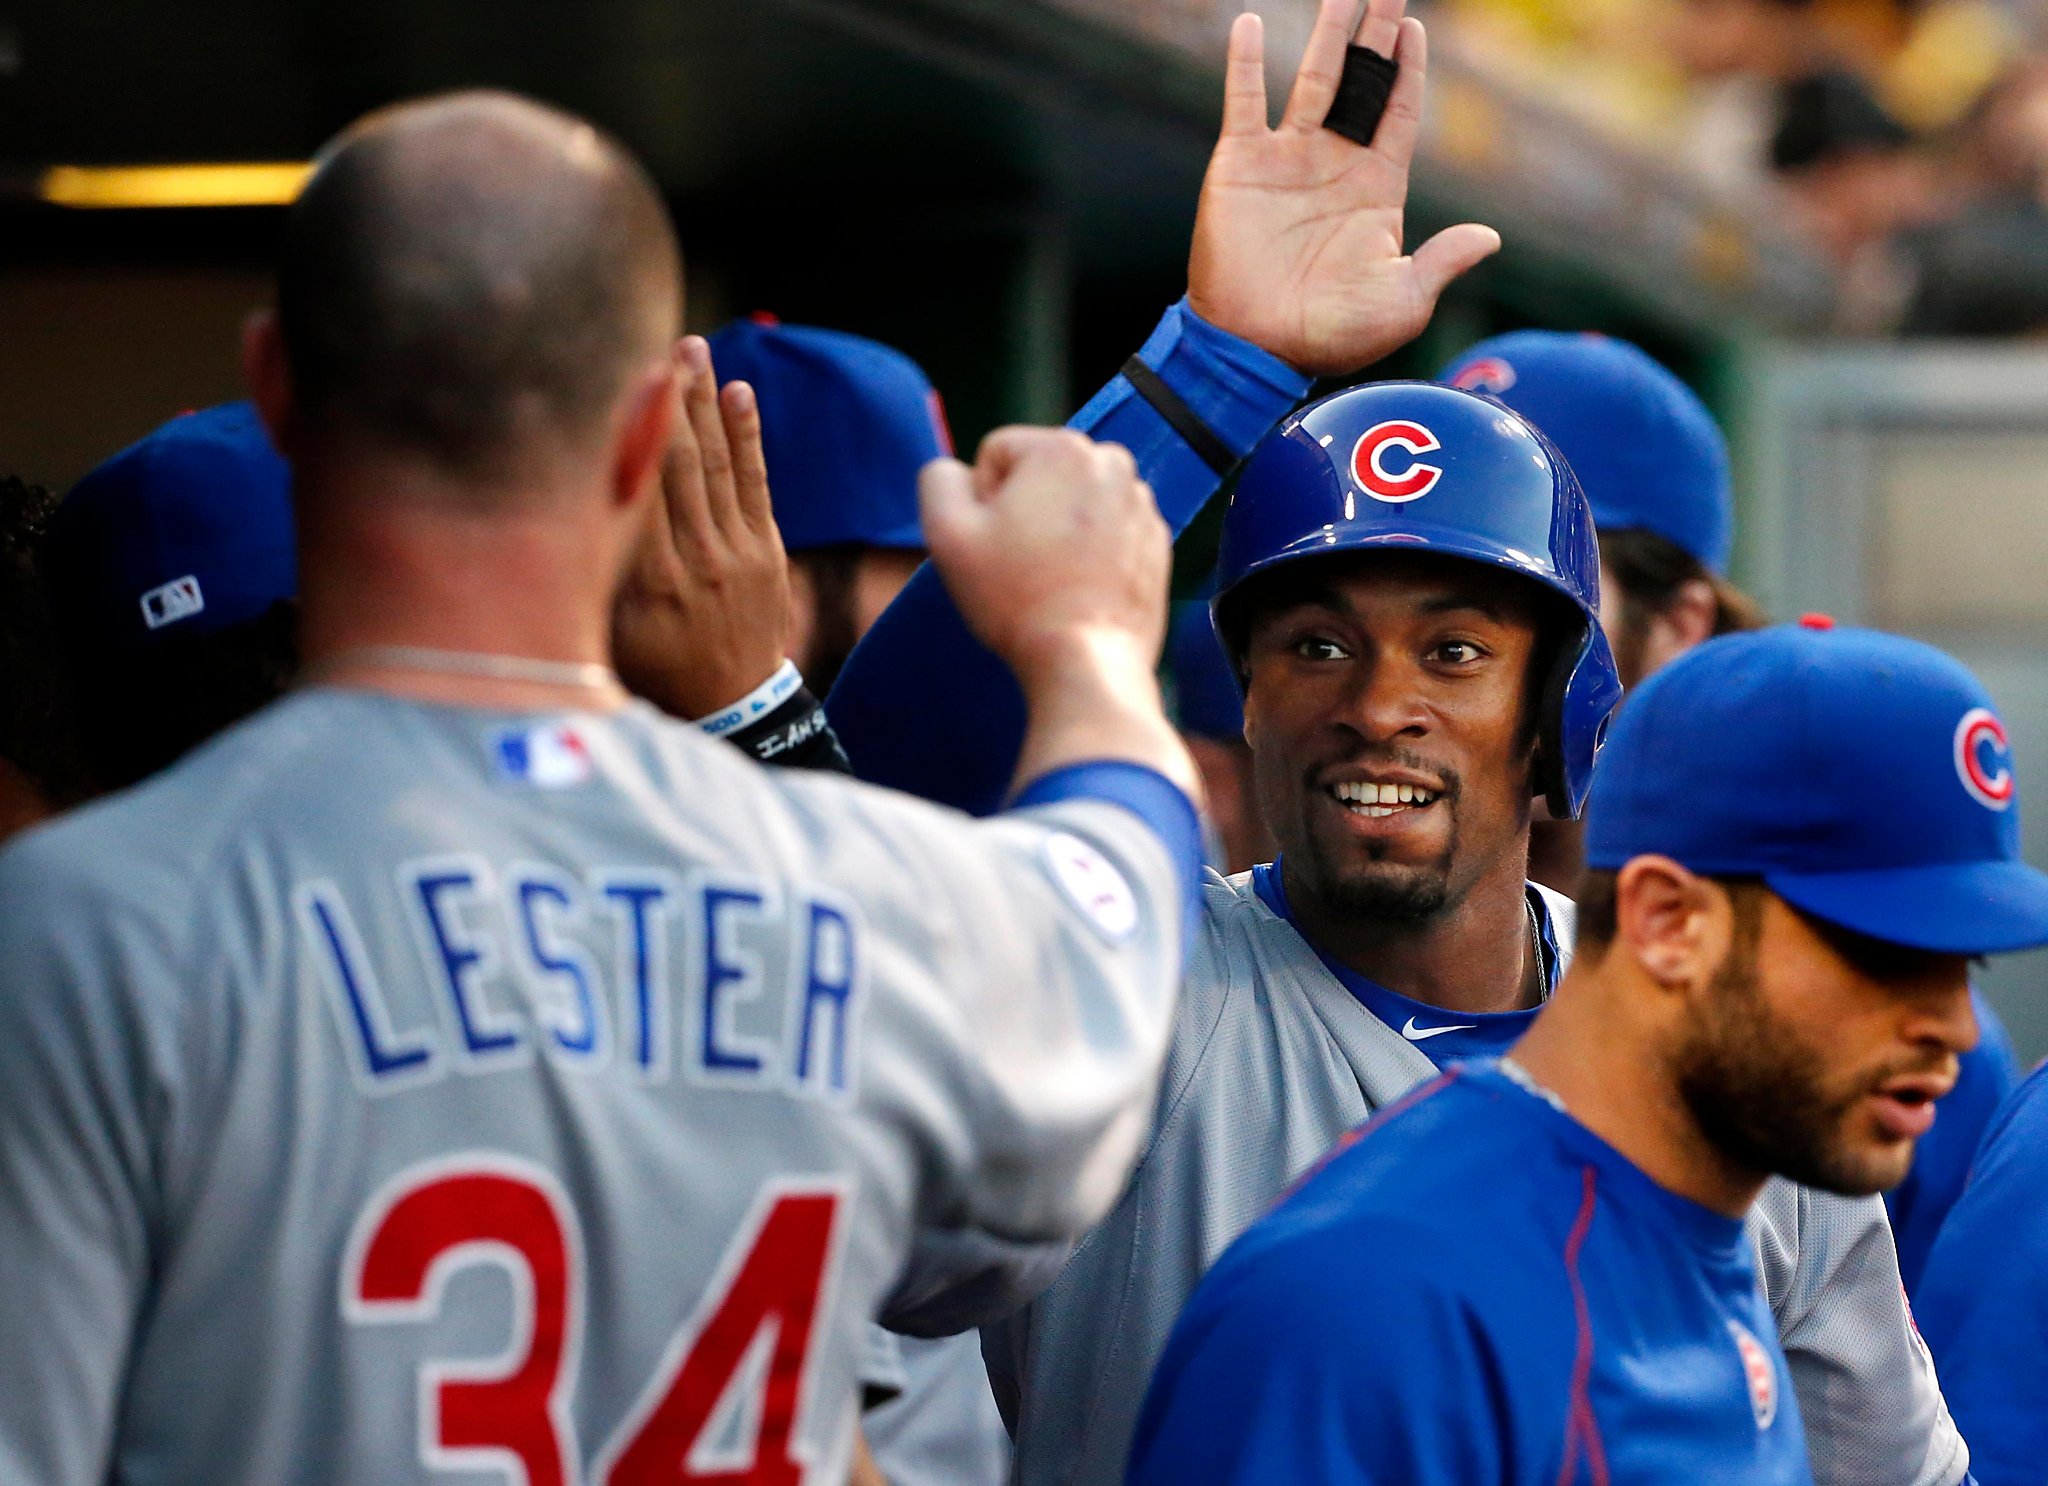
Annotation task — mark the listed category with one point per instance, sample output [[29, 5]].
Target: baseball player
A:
[[1409, 583], [1654, 467], [1533, 1270], [457, 1067], [1982, 1301]]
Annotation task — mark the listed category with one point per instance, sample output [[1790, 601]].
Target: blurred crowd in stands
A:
[[1908, 139]]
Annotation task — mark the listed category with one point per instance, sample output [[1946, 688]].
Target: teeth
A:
[[1381, 799]]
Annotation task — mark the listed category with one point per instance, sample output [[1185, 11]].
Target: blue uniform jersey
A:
[[923, 706], [1445, 1037], [1989, 1073], [1983, 1299], [1476, 1289]]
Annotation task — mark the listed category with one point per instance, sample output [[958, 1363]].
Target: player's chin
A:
[[1869, 1159]]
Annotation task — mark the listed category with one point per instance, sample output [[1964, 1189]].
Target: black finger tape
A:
[[1362, 94]]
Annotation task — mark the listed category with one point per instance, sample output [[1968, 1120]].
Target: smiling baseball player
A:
[[458, 1068], [1409, 583]]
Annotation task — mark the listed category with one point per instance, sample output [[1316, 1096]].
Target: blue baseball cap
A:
[[186, 532], [1206, 699], [846, 424], [1865, 778], [1646, 450]]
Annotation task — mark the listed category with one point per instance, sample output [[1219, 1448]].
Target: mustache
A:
[[1446, 780]]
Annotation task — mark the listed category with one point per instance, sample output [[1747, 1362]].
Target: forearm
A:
[[921, 705], [1098, 702]]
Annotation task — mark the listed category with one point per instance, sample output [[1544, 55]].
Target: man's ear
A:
[[1688, 617], [267, 371], [652, 407], [1674, 924]]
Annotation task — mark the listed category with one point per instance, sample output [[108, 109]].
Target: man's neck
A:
[[1588, 1050], [1477, 955], [446, 576]]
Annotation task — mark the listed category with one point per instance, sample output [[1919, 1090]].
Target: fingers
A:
[[1244, 78], [684, 504], [948, 507], [1450, 253], [1322, 64], [1401, 124], [1002, 451], [1380, 26], [714, 454], [741, 412]]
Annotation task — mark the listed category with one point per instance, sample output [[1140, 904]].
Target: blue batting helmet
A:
[[1419, 467]]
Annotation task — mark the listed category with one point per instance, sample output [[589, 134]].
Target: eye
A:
[[1457, 653], [1320, 647]]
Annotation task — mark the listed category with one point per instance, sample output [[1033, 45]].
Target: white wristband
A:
[[756, 704]]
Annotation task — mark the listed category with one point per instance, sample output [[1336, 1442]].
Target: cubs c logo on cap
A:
[[1413, 479], [1758, 1373], [1487, 374], [1984, 759]]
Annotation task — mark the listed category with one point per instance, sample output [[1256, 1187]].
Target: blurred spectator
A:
[[1985, 271], [846, 424]]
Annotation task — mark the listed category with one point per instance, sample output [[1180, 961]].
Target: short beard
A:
[[1756, 1090], [1399, 895]]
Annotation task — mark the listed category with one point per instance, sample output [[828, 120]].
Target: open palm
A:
[[1298, 238]]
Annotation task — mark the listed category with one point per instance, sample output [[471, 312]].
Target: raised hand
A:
[[702, 617], [1057, 556], [1050, 543], [1298, 237]]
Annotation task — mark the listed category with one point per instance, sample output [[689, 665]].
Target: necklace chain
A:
[[585, 675]]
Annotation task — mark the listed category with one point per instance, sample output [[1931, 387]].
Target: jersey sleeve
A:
[[1867, 1391], [1023, 972], [77, 1163], [920, 663], [1294, 1364], [1984, 1298]]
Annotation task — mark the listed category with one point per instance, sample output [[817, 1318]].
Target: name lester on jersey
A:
[[725, 979]]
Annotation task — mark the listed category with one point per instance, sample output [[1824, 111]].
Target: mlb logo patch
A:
[[170, 602], [552, 756]]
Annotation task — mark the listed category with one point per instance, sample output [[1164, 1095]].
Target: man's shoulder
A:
[[1415, 1182], [150, 844]]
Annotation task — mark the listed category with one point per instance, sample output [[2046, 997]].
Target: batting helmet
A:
[[1414, 466]]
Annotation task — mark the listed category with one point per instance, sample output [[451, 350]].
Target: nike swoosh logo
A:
[[1422, 1034]]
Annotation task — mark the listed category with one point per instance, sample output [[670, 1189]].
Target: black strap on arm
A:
[[1181, 418], [1362, 94], [794, 736]]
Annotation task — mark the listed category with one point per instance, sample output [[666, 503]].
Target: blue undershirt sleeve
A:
[[923, 706]]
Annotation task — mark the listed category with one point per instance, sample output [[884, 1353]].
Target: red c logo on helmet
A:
[[1487, 374], [1368, 461], [1981, 732]]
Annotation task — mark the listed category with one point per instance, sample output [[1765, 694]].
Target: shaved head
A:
[[471, 280]]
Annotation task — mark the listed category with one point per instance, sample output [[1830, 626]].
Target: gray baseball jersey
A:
[[1272, 1059], [393, 1090]]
